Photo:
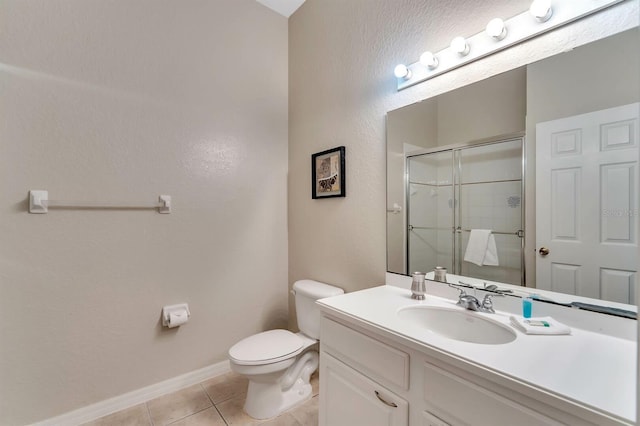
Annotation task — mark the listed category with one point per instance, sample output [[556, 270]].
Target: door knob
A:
[[543, 251]]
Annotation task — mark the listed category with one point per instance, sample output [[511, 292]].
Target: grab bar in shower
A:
[[39, 202]]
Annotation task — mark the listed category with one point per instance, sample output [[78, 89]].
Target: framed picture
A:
[[327, 174]]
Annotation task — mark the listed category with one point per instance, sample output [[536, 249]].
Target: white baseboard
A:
[[129, 399]]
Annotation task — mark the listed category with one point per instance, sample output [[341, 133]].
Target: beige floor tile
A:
[[232, 413], [137, 415], [177, 405], [307, 413], [285, 419], [208, 417], [192, 407], [227, 386]]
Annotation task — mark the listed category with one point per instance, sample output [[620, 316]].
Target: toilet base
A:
[[267, 399], [263, 403]]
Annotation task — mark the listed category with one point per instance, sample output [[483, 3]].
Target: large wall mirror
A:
[[540, 165]]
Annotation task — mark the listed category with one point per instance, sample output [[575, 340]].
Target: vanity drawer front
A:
[[370, 356], [351, 399], [461, 402]]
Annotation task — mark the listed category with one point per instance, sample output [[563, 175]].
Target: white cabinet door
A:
[[350, 399], [587, 204]]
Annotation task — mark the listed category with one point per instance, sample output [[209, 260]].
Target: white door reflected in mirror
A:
[[587, 171]]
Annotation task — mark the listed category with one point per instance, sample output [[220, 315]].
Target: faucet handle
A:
[[487, 301], [495, 289], [459, 288]]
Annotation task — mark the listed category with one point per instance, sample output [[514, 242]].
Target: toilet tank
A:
[[307, 312]]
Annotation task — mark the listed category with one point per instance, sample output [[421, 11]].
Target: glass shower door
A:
[[430, 207], [490, 190]]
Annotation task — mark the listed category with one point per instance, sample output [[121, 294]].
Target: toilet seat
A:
[[266, 348]]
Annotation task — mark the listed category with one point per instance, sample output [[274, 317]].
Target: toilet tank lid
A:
[[316, 289]]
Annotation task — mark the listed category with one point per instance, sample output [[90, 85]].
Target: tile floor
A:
[[215, 402]]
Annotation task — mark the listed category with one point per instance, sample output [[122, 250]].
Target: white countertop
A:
[[592, 369]]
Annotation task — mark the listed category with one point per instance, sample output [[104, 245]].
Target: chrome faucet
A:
[[472, 303], [418, 286], [469, 302]]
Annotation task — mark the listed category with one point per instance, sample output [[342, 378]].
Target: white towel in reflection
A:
[[481, 248]]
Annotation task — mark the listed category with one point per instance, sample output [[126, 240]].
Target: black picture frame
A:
[[328, 174]]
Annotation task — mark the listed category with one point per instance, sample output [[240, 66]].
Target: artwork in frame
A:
[[327, 174]]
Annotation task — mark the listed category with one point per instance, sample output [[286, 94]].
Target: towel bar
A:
[[519, 233], [39, 203]]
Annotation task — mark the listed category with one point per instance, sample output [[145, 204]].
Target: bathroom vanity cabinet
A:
[[375, 376], [366, 381]]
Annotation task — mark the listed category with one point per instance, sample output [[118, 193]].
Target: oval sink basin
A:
[[458, 324]]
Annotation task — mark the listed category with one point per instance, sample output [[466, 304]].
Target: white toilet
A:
[[278, 363]]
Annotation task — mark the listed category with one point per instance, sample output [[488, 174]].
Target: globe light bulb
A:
[[429, 60], [460, 46], [496, 29], [541, 10], [401, 71]]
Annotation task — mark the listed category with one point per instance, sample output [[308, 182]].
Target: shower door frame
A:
[[456, 173]]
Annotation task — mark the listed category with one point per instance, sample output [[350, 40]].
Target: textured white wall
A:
[[122, 101]]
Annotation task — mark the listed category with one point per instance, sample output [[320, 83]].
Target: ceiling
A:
[[283, 7]]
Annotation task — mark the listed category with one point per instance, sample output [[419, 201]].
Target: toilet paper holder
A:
[[181, 311]]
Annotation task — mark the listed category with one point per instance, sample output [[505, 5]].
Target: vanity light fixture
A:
[[460, 46], [496, 29], [429, 60], [401, 71], [518, 28], [541, 10]]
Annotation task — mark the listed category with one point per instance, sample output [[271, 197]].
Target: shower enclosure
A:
[[452, 191]]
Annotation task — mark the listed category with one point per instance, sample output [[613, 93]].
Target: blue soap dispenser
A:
[[527, 305]]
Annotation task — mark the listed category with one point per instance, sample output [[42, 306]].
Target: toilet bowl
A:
[[279, 363]]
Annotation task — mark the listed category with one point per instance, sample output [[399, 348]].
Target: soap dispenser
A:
[[527, 305]]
